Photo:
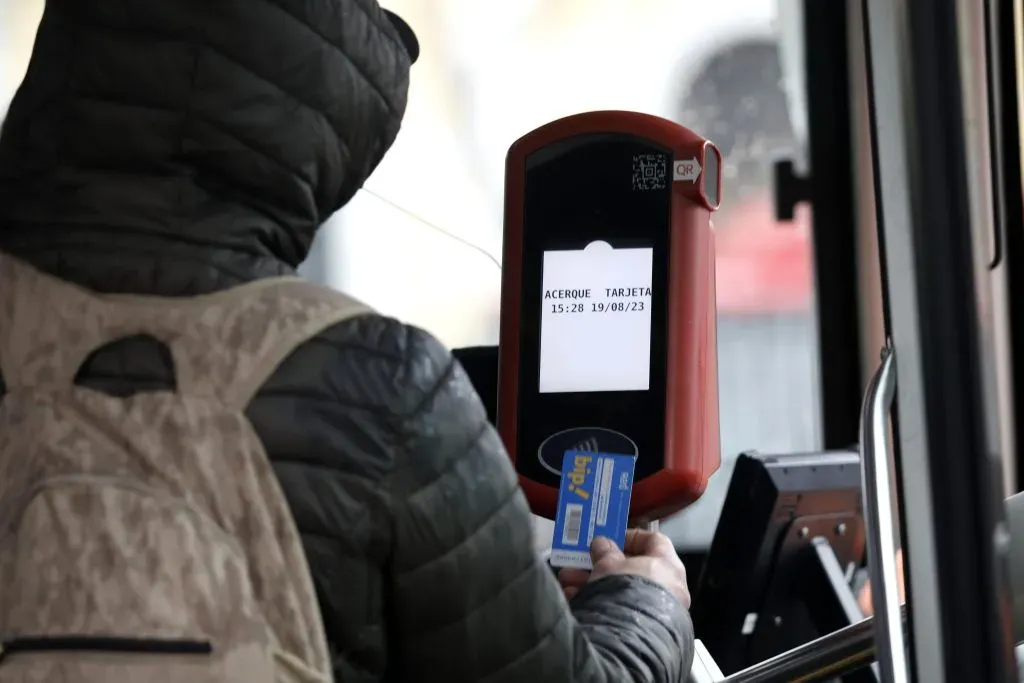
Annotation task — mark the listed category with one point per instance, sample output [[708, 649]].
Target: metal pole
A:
[[923, 139], [880, 519]]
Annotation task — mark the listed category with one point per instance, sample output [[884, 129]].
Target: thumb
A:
[[604, 549]]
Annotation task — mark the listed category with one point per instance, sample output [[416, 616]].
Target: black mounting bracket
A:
[[791, 189]]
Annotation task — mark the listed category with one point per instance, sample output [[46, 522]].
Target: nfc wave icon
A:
[[583, 439]]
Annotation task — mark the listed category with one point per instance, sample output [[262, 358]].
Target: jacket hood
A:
[[162, 126]]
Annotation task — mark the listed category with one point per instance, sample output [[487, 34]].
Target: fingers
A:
[[604, 549], [570, 592], [638, 542], [649, 543], [569, 577]]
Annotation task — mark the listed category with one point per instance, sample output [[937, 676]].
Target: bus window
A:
[[767, 328], [18, 21]]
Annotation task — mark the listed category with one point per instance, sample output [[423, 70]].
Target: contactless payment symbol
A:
[[592, 439], [593, 500]]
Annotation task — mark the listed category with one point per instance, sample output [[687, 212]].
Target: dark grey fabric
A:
[[176, 147]]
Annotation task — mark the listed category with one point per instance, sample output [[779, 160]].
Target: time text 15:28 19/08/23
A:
[[635, 306]]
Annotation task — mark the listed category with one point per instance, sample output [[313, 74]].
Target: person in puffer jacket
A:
[[176, 148]]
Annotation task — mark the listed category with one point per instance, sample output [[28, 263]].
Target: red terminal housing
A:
[[692, 449]]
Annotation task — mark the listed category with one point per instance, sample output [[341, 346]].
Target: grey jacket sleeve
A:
[[470, 600]]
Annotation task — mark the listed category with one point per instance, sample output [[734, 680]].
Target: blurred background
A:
[[422, 242]]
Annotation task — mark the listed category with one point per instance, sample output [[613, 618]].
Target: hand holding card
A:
[[593, 500], [645, 553]]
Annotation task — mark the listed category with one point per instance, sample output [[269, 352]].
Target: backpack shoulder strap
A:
[[225, 345], [235, 341], [47, 327]]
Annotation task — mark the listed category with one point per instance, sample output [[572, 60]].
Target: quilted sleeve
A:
[[469, 598]]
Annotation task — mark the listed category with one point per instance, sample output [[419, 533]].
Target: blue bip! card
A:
[[593, 500]]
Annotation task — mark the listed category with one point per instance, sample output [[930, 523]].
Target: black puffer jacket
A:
[[175, 147]]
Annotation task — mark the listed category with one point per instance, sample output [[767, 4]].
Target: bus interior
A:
[[870, 293]]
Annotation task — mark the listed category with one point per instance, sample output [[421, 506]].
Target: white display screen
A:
[[595, 327]]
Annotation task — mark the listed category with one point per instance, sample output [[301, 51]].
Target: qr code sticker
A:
[[649, 172]]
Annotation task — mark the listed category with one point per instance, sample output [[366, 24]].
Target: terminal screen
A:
[[595, 332]]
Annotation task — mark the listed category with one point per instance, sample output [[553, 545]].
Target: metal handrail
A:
[[824, 659], [880, 520]]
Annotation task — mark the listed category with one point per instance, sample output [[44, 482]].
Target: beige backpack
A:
[[146, 539]]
